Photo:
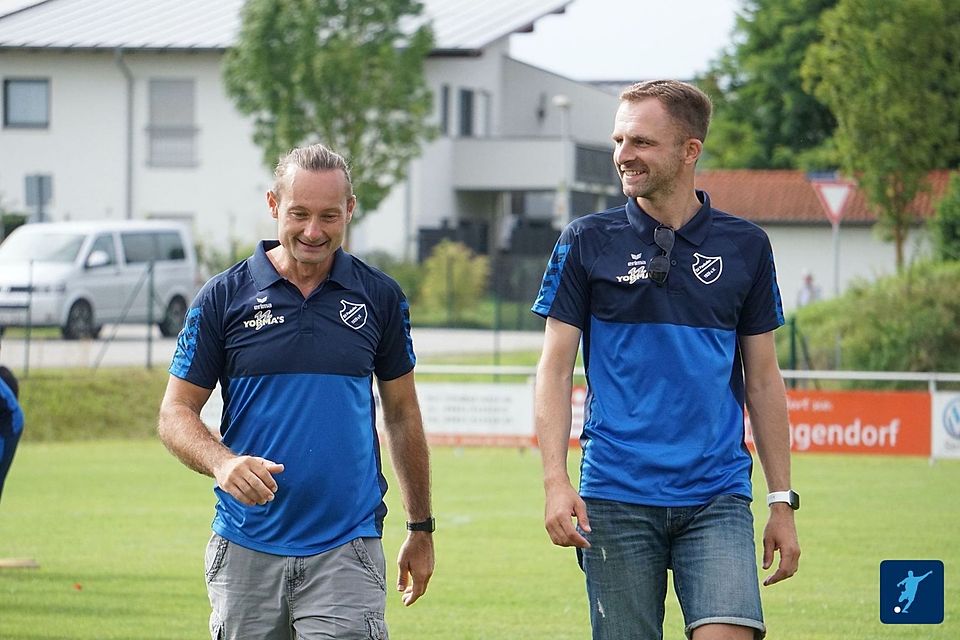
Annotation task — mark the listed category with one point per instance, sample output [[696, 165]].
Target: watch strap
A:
[[429, 525], [790, 497]]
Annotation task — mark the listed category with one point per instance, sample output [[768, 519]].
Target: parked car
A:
[[80, 275]]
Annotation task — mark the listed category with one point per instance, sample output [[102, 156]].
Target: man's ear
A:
[[692, 151], [351, 205], [274, 203]]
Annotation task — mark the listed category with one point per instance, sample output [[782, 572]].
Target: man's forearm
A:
[[411, 461]]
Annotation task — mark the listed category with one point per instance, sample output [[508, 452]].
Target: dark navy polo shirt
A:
[[296, 376], [664, 413]]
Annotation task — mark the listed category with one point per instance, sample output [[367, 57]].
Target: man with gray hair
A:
[[295, 335]]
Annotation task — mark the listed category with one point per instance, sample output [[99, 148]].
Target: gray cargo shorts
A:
[[340, 593]]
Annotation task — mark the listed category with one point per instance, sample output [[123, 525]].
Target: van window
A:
[[26, 244], [139, 246], [170, 246], [104, 242]]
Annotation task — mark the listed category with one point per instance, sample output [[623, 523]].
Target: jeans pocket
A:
[[214, 557], [366, 561], [376, 626]]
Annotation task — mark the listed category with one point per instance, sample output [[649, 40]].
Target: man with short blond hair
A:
[[675, 303]]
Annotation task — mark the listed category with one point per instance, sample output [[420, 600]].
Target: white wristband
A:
[[778, 496]]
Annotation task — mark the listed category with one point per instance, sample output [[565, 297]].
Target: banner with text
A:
[[879, 422]]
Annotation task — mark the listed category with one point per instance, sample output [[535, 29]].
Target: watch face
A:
[[794, 500]]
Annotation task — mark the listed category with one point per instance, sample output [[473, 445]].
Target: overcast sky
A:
[[629, 39], [617, 39]]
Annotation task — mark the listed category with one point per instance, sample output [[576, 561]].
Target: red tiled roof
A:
[[786, 196]]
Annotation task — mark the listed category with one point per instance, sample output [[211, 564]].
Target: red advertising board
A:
[[874, 422]]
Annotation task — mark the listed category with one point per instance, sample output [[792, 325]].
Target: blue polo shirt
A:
[[296, 376], [11, 426], [663, 421]]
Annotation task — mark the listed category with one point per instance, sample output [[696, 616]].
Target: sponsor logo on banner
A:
[[951, 419], [946, 424], [890, 422]]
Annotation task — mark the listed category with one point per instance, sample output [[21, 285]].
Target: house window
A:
[[466, 113], [595, 166], [26, 103], [445, 109], [172, 131]]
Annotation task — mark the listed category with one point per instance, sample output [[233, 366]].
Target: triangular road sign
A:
[[833, 195]]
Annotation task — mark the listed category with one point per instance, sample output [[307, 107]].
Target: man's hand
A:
[[248, 479], [780, 534], [562, 504], [415, 562]]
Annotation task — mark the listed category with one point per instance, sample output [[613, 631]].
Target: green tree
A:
[[454, 280], [945, 225], [763, 117], [889, 73], [347, 73]]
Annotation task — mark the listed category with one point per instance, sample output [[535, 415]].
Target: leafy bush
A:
[[945, 225], [454, 282], [907, 322], [408, 274]]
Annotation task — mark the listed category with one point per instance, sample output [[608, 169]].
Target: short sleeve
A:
[[564, 293], [199, 356], [763, 308], [395, 356]]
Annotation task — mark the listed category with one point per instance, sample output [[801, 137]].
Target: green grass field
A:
[[118, 528]]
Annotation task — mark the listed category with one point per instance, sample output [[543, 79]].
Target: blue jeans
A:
[[709, 548]]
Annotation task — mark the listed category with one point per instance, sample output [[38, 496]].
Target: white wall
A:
[[85, 146], [527, 89], [862, 256]]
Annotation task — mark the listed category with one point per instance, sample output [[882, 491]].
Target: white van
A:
[[80, 275]]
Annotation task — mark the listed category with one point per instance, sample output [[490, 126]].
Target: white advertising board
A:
[[946, 425]]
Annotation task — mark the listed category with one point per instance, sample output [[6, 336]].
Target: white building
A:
[[116, 109]]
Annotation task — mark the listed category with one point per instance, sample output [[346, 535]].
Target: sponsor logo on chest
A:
[[263, 315], [637, 269]]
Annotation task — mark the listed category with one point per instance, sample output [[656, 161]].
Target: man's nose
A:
[[314, 229]]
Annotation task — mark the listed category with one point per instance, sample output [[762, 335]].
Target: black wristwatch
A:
[[429, 525]]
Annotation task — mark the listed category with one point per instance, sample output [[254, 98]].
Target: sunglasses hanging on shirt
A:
[[659, 266]]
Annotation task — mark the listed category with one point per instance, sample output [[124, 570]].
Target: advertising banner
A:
[[876, 422], [477, 413], [946, 425]]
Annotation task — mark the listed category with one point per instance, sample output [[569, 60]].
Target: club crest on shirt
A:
[[353, 314], [707, 268]]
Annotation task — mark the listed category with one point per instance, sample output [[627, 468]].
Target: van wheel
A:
[[173, 318], [80, 322]]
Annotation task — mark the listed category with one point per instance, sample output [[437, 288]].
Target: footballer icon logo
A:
[[353, 314], [707, 268]]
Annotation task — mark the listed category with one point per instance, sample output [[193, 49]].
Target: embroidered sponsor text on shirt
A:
[[262, 319], [638, 269]]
